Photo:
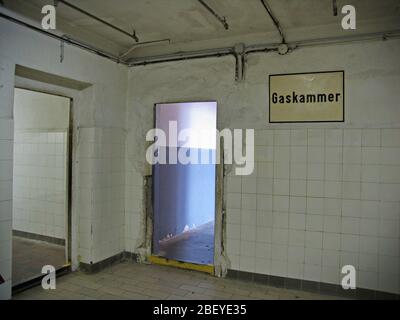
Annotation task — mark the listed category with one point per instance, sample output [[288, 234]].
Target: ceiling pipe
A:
[[65, 39], [269, 47], [133, 35], [216, 15], [385, 35], [143, 44], [220, 52], [274, 20]]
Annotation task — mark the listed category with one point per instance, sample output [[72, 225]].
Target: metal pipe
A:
[[274, 19], [221, 52], [385, 35], [269, 47], [145, 43], [216, 15], [133, 35], [65, 39]]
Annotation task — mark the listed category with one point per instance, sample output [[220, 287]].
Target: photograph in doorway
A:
[[184, 194]]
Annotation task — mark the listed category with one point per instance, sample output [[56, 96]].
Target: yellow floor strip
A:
[[183, 265]]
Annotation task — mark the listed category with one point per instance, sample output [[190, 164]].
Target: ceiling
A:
[[189, 26]]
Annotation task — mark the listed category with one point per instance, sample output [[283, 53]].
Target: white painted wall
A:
[[40, 163], [322, 195], [99, 116]]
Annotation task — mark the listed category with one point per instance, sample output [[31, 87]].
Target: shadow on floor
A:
[[194, 246], [29, 256]]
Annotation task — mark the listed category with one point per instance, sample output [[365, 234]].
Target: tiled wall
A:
[[6, 154], [40, 182], [319, 199], [101, 180]]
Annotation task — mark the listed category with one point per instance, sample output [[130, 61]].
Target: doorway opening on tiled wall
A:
[[41, 220], [184, 194]]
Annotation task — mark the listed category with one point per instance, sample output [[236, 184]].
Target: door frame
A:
[[68, 218]]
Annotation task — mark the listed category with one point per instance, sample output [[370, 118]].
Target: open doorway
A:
[[184, 194], [41, 184]]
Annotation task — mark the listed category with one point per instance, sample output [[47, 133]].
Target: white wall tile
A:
[[298, 137], [249, 185], [334, 137], [37, 203], [281, 187], [390, 137], [316, 154], [350, 243], [297, 221], [298, 188], [298, 154], [282, 137], [330, 275], [352, 155], [371, 137], [332, 223], [316, 137], [390, 156], [352, 137], [330, 198], [298, 170], [331, 258], [333, 154], [298, 204]]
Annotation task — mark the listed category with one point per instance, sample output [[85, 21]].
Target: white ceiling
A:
[[191, 27]]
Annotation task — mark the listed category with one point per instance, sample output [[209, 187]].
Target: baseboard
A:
[[101, 265], [39, 237], [37, 280], [311, 286], [130, 256]]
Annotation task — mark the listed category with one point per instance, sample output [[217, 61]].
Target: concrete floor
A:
[[133, 281], [29, 256], [196, 246]]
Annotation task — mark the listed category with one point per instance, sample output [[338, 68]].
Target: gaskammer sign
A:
[[307, 97]]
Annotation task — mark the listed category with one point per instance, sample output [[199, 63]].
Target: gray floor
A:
[[134, 281], [196, 246], [29, 256]]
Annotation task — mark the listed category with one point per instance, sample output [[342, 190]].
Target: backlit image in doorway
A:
[[184, 194]]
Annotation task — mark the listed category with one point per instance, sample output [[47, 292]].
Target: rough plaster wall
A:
[[372, 72], [99, 114]]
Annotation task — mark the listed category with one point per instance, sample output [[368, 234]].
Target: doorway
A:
[[184, 192], [41, 220]]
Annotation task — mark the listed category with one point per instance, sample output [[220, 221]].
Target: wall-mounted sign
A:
[[306, 97]]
